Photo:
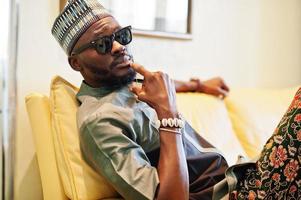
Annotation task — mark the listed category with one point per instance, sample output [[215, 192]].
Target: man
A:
[[129, 154], [134, 136]]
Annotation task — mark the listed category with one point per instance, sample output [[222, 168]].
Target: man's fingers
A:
[[222, 93], [218, 92], [140, 69], [136, 90], [225, 87]]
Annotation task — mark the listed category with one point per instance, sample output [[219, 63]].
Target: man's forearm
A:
[[172, 169], [187, 86], [214, 86]]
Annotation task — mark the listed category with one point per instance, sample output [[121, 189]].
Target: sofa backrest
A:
[[208, 115], [255, 114]]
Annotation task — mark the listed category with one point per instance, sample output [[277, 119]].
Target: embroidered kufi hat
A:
[[74, 20]]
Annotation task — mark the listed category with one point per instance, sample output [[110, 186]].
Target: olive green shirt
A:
[[116, 132]]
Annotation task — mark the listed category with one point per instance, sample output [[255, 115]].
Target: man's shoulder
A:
[[93, 109]]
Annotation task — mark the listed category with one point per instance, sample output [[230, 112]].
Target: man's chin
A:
[[120, 80]]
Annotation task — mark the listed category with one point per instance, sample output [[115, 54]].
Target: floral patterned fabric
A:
[[277, 173]]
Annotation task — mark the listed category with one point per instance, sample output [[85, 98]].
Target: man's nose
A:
[[117, 48]]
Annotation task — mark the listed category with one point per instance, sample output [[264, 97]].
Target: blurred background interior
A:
[[250, 43]]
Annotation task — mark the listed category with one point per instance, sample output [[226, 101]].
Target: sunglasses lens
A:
[[124, 36], [104, 45]]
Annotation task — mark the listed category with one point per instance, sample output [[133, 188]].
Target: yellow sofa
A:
[[240, 125]]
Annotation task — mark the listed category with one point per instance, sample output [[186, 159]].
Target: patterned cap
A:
[[74, 20]]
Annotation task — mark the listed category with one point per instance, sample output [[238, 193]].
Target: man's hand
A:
[[158, 91], [215, 86]]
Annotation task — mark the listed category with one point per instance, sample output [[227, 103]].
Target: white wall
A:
[[39, 60], [248, 42], [251, 43]]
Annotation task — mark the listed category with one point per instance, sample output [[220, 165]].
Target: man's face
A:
[[110, 69]]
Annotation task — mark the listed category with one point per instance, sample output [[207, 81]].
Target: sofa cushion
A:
[[209, 117], [79, 180], [39, 115], [255, 114]]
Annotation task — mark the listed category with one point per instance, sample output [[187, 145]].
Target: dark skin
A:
[[100, 70], [215, 86]]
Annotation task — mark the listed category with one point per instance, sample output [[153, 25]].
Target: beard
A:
[[119, 81], [108, 78]]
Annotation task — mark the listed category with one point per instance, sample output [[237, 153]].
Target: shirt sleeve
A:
[[119, 159]]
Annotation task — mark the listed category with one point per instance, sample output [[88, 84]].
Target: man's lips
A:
[[123, 61], [123, 64]]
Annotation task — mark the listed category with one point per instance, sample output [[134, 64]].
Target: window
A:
[[161, 18]]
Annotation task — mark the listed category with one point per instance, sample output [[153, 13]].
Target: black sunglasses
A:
[[104, 44]]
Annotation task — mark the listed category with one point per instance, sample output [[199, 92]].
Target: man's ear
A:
[[74, 63]]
